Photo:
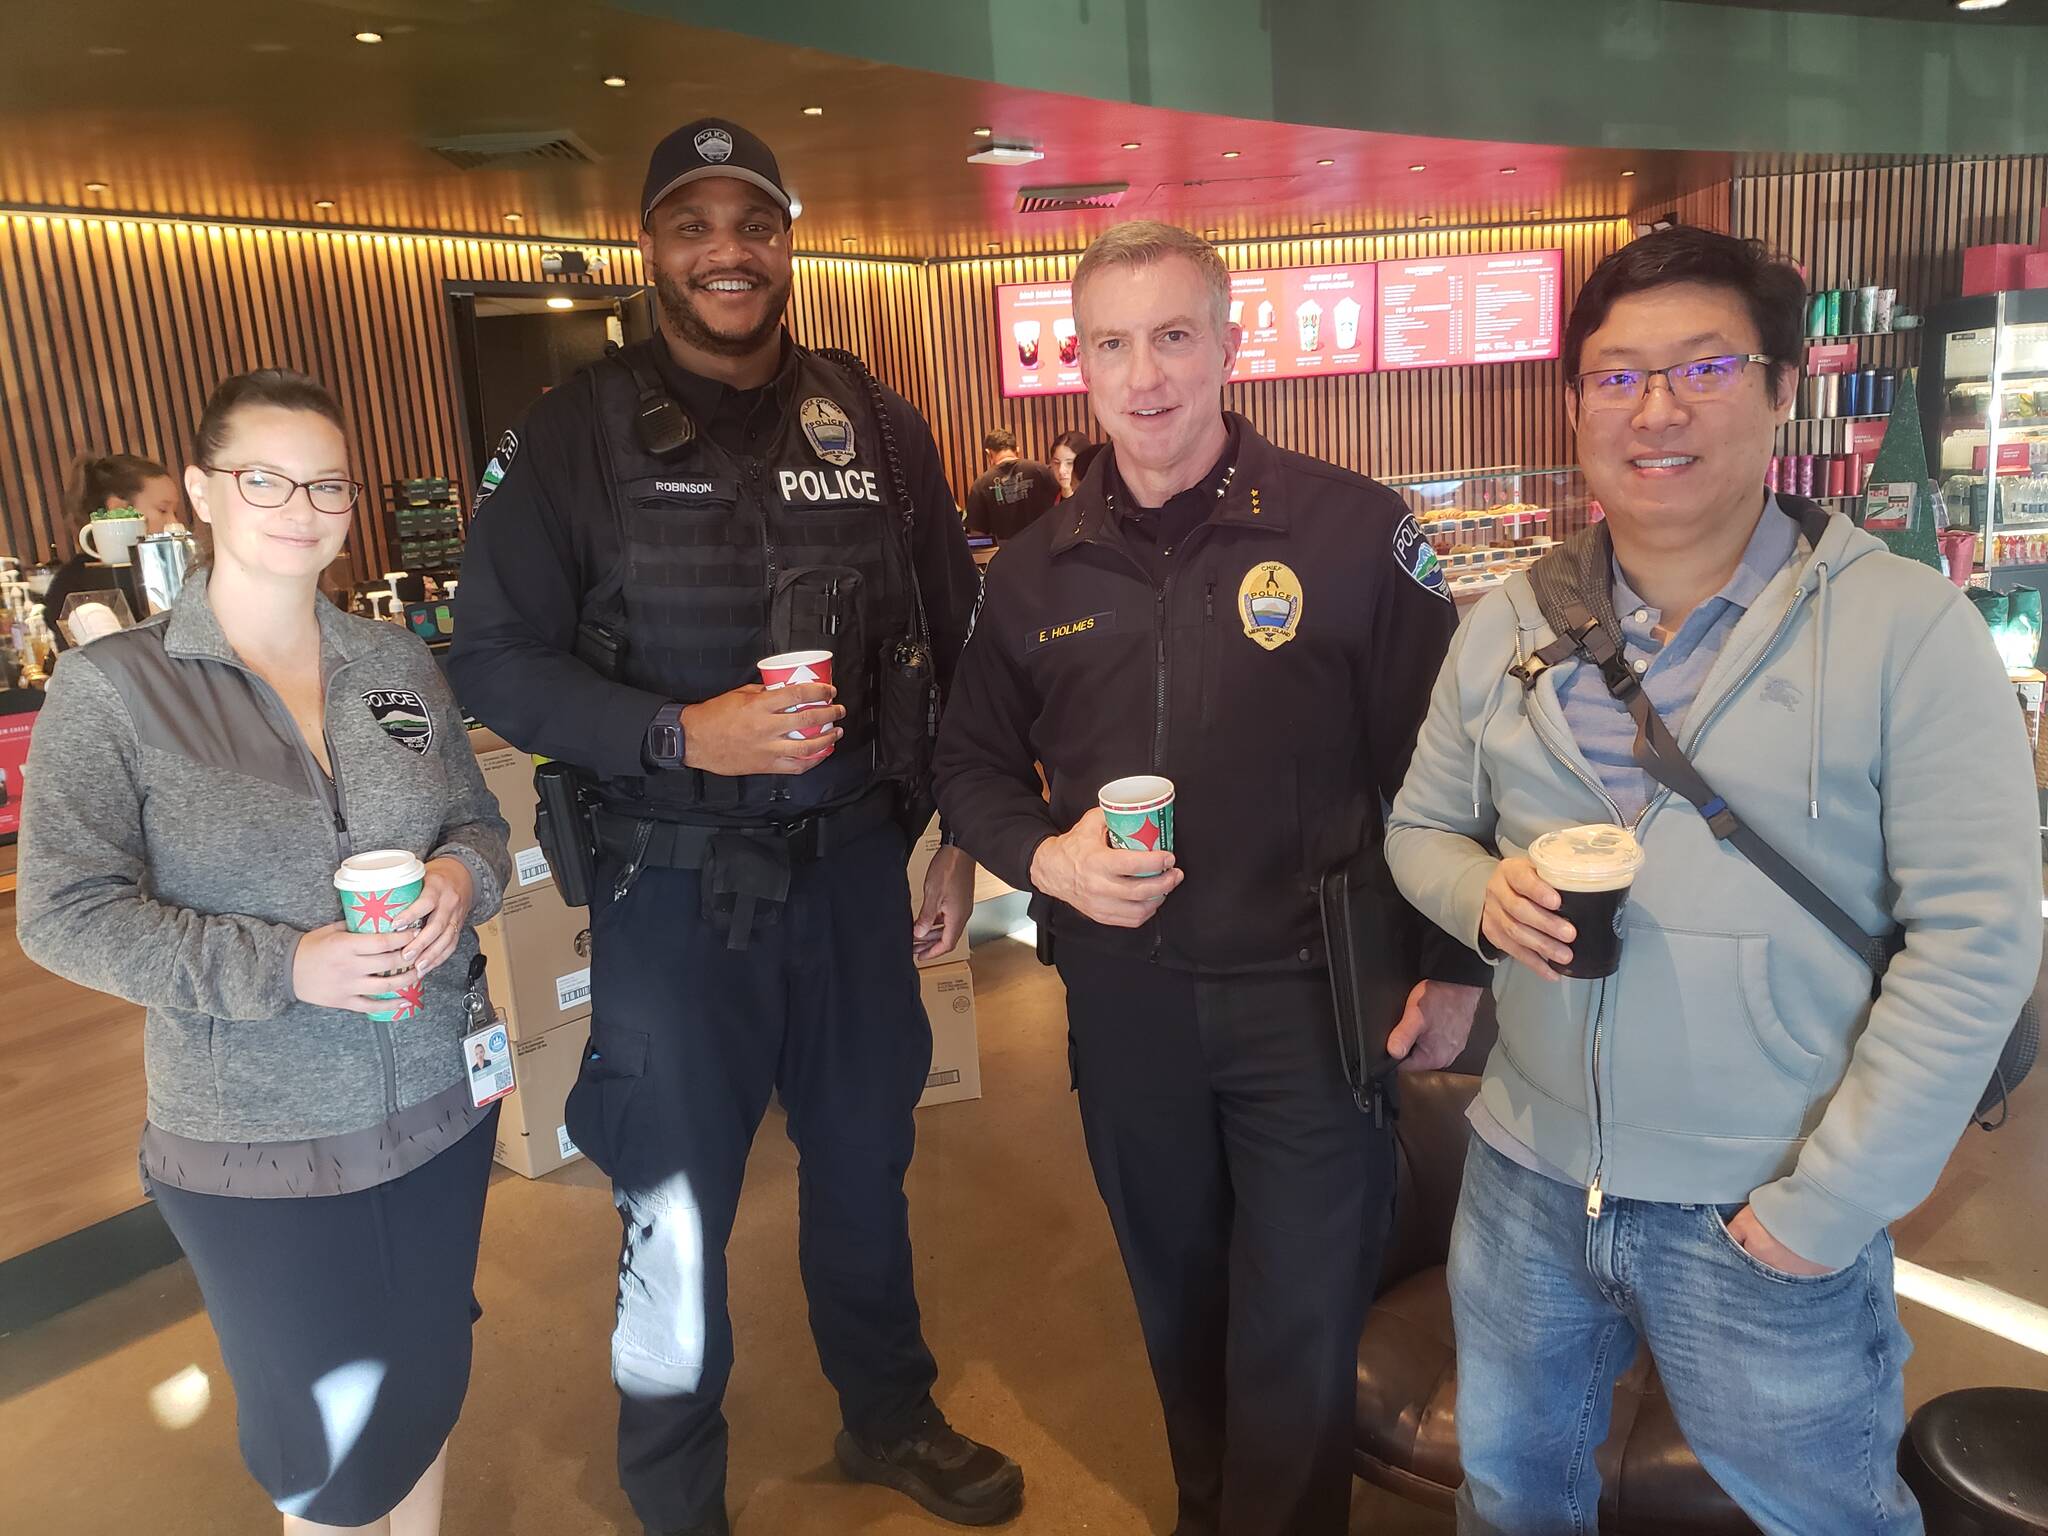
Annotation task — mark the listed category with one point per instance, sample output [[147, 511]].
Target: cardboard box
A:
[[539, 954], [508, 774], [1994, 268], [921, 854], [532, 1138], [948, 992]]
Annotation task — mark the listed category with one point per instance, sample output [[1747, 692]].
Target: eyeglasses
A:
[[1702, 379], [267, 488]]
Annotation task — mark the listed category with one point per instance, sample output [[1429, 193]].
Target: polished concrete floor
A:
[[116, 1416]]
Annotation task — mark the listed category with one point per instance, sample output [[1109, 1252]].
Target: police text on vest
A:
[[820, 486]]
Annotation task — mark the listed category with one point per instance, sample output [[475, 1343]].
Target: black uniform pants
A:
[[687, 1040], [1251, 1200]]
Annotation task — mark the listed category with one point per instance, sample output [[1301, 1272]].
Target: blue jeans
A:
[[1790, 1391]]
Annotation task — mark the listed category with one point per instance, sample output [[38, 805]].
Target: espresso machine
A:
[[161, 561]]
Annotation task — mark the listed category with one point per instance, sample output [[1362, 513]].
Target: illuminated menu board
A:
[[1297, 322], [1470, 309], [1302, 321]]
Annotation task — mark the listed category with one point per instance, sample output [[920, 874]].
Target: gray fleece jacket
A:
[[1859, 719], [178, 839]]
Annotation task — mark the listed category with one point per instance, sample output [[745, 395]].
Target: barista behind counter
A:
[[122, 483]]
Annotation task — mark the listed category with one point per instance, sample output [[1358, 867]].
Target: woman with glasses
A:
[[312, 1139]]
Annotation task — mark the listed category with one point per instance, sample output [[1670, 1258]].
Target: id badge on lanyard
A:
[[487, 1048]]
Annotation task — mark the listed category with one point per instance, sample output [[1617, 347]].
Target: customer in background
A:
[[1012, 494], [1067, 449], [1249, 1192], [119, 480], [195, 781], [1699, 1155]]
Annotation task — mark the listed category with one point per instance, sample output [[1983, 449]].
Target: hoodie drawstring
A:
[[1820, 673]]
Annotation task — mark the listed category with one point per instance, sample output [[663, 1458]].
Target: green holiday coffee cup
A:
[[1139, 813], [374, 888]]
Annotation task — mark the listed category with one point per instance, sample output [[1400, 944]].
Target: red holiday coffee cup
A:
[[798, 667]]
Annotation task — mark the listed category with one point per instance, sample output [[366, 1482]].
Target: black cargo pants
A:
[[688, 1038]]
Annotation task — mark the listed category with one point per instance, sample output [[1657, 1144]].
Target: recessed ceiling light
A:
[[1978, 5], [1211, 234], [848, 240], [514, 218], [814, 111], [1628, 173], [1507, 170], [1132, 144], [994, 246], [324, 202], [561, 303], [1318, 228], [1535, 213], [1326, 162], [95, 186], [984, 133], [369, 37], [1425, 219], [616, 82], [1418, 166], [1230, 154]]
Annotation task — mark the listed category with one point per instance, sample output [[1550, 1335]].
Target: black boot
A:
[[956, 1478]]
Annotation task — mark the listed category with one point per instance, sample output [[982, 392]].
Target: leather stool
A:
[[1978, 1462]]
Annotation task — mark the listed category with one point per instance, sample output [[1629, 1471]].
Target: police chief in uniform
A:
[[654, 527], [1263, 630]]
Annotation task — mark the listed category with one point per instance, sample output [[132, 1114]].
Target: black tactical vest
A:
[[730, 559]]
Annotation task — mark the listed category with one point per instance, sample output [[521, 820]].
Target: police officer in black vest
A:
[[655, 527]]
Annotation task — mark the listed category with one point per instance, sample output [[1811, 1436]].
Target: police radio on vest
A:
[[822, 485]]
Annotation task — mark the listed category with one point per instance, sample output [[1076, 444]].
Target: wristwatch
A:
[[664, 747]]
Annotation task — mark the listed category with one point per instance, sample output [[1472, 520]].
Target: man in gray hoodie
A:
[[1699, 1154]]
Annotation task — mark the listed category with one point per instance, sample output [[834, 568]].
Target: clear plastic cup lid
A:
[[1589, 858]]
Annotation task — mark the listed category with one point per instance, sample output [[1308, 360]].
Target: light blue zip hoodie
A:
[[1860, 720]]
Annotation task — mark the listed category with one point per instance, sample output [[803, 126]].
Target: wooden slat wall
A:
[[112, 331], [1379, 423], [115, 331]]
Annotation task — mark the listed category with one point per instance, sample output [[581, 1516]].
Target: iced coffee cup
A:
[[1139, 813], [1027, 333], [1345, 313], [375, 889], [798, 667], [1069, 341], [1265, 314], [1592, 869], [1309, 317]]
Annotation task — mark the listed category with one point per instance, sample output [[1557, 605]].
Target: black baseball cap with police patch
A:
[[711, 146]]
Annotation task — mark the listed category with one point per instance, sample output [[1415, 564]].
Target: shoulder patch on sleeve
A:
[[1412, 552], [501, 460]]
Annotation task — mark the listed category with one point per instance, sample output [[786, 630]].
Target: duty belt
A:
[[746, 869]]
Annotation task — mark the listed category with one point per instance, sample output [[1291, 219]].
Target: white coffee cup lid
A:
[[380, 870], [1140, 792], [1596, 857]]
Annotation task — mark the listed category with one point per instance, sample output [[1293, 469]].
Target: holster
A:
[[567, 830], [745, 883]]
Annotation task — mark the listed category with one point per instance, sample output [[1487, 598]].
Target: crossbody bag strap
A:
[[1598, 640]]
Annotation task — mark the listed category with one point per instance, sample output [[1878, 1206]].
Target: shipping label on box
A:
[[533, 1137], [538, 949], [508, 774], [948, 994]]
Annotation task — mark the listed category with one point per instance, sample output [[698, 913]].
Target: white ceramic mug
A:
[[110, 540]]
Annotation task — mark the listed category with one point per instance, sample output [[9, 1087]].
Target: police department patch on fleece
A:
[[404, 716], [1413, 552], [494, 472]]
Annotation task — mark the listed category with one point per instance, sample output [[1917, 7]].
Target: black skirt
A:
[[345, 1324]]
